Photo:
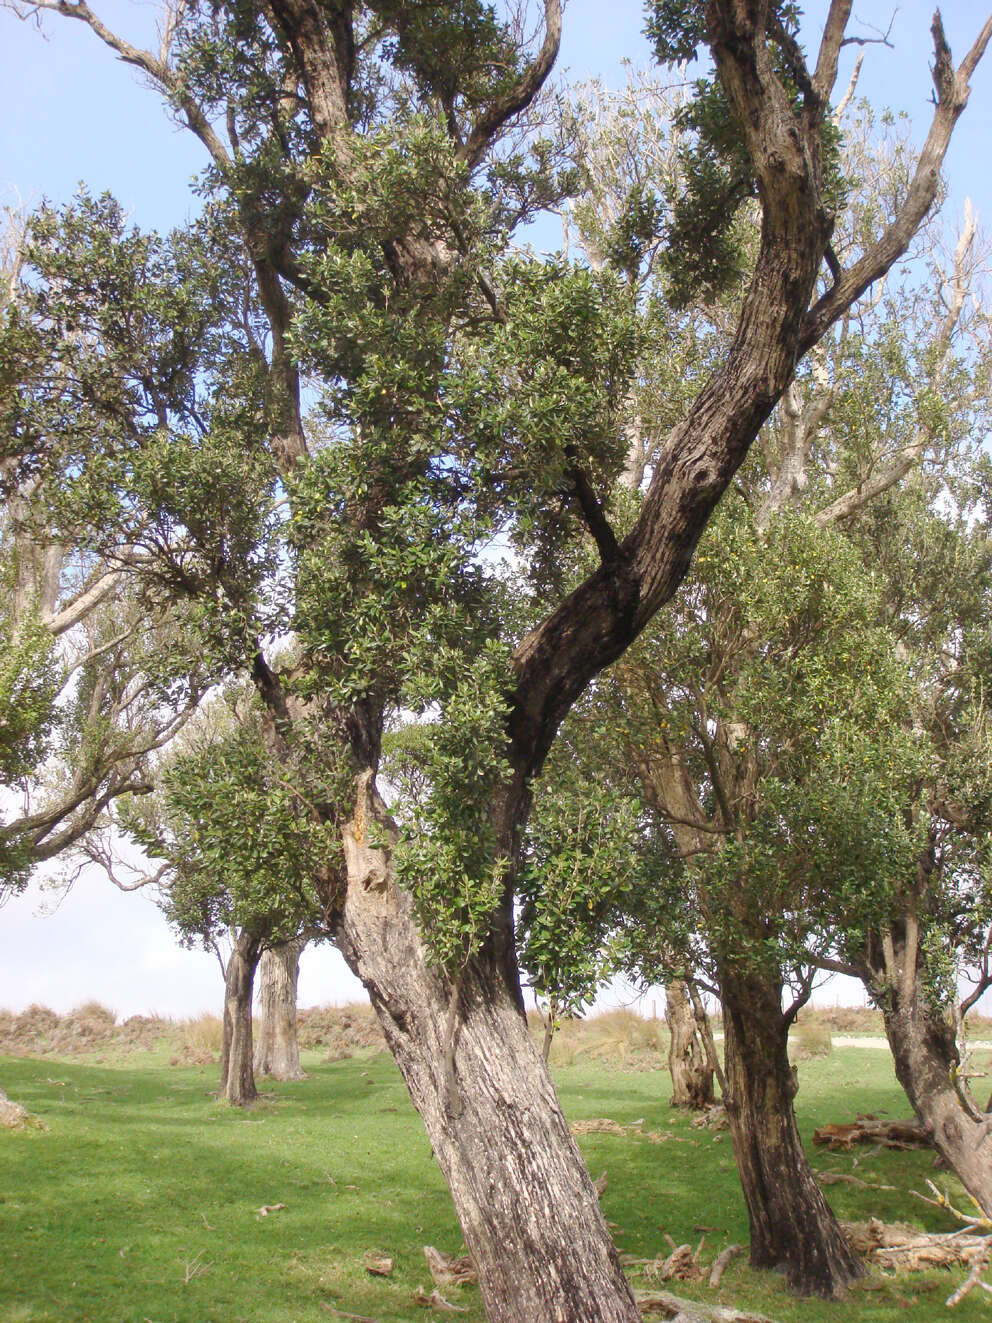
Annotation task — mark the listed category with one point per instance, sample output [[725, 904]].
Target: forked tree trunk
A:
[[925, 1054], [792, 1225], [527, 1207], [277, 1050], [692, 1078], [237, 1079]]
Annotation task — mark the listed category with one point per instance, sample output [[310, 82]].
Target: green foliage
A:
[[31, 678], [705, 252], [546, 389], [449, 857], [778, 688], [245, 845], [586, 849], [30, 681]]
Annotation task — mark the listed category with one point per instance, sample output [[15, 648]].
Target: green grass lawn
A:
[[140, 1203]]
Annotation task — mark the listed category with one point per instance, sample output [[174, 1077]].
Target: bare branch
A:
[[952, 97], [492, 120], [846, 99], [833, 39], [155, 67]]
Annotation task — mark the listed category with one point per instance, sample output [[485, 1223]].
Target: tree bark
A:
[[925, 1054], [277, 1051], [237, 1079], [692, 1078], [527, 1207], [792, 1225]]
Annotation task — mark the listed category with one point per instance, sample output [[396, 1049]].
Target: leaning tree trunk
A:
[[277, 1051], [925, 1054], [692, 1078], [527, 1207], [792, 1225], [237, 1079]]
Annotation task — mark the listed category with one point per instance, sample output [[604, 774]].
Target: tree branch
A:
[[156, 69], [592, 511], [952, 97], [519, 98]]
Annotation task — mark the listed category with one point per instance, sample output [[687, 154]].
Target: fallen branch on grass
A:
[[868, 1129], [673, 1307], [343, 1313], [978, 1222], [721, 1262], [604, 1125], [897, 1246], [436, 1301], [843, 1178], [449, 1269]]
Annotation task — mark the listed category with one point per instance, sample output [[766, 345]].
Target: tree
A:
[[81, 683], [370, 176], [244, 854], [719, 719], [931, 544], [277, 1049]]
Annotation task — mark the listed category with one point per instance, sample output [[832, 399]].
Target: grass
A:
[[140, 1203]]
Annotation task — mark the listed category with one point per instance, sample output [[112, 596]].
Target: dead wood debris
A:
[[677, 1310], [978, 1265], [713, 1118], [896, 1245], [447, 1269], [343, 1313], [15, 1117], [684, 1263], [436, 1301], [266, 1209], [870, 1129], [844, 1178], [600, 1186], [603, 1125], [379, 1265], [681, 1265], [721, 1262]]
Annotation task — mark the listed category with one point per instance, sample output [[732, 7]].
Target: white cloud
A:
[[100, 944]]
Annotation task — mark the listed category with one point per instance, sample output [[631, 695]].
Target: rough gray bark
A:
[[692, 1077], [792, 1225], [528, 1210], [925, 1054], [237, 1079], [277, 1051]]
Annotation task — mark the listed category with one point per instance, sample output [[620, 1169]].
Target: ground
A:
[[142, 1201]]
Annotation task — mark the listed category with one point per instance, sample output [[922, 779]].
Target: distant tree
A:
[[244, 851], [932, 547], [277, 1048]]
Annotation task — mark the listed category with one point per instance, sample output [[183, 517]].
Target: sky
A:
[[70, 112]]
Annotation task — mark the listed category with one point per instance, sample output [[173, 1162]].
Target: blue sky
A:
[[71, 112]]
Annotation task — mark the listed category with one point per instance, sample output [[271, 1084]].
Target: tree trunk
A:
[[925, 1054], [527, 1207], [692, 1078], [277, 1052], [792, 1225], [237, 1080]]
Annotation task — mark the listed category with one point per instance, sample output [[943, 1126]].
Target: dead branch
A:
[[692, 1311], [721, 1263], [870, 1130]]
